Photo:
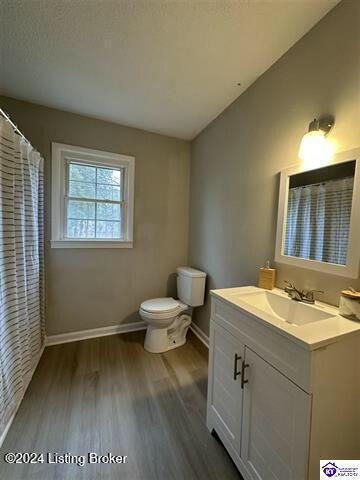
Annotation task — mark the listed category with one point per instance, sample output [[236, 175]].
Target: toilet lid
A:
[[157, 305]]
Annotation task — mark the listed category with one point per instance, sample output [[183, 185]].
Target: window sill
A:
[[90, 244]]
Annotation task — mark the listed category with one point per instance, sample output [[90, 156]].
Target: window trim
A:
[[351, 269], [61, 153]]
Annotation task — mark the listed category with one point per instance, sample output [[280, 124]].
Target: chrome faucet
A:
[[305, 296], [293, 292]]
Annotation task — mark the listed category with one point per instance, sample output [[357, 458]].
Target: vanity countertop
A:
[[310, 335]]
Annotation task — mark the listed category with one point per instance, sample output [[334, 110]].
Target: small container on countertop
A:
[[350, 304], [267, 277]]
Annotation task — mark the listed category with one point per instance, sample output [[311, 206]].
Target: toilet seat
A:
[[162, 308], [160, 305]]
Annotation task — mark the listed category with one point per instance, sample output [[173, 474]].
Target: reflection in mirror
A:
[[318, 213]]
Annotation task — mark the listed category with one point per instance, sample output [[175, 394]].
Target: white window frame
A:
[[61, 153], [351, 269]]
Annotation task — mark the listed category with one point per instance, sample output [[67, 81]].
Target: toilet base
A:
[[159, 340]]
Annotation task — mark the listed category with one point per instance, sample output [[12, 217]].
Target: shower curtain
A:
[[318, 221], [22, 330]]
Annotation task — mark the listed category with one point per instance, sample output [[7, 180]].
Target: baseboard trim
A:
[[27, 383], [94, 333], [200, 334]]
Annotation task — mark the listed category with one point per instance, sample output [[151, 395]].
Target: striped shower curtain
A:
[[318, 221], [21, 267]]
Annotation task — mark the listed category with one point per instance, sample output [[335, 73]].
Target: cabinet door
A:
[[224, 392], [276, 419]]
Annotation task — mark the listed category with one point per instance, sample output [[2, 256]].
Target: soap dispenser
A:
[[267, 277]]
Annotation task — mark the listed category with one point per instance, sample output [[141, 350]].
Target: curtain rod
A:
[[15, 127]]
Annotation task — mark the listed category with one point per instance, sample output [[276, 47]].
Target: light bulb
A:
[[315, 149]]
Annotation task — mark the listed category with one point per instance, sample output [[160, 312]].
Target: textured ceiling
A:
[[164, 66]]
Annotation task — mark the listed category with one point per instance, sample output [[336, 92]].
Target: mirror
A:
[[318, 222]]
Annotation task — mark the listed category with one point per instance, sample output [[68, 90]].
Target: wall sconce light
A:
[[315, 148]]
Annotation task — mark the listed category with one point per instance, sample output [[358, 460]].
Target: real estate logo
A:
[[339, 469], [330, 469]]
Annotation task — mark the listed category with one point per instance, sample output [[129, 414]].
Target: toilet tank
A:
[[191, 286]]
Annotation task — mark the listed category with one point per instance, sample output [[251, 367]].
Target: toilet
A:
[[168, 319]]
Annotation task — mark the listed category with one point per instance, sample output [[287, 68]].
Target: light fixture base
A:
[[324, 123]]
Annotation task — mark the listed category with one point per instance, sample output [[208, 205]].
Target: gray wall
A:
[[236, 159], [96, 288]]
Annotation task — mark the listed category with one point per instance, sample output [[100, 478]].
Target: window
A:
[[94, 201], [92, 198]]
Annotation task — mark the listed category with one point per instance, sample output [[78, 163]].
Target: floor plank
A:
[[110, 395]]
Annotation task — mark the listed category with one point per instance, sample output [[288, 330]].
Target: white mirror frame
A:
[[351, 269]]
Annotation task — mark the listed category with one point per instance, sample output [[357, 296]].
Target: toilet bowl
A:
[[162, 315], [166, 318]]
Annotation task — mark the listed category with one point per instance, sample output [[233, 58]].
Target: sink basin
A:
[[284, 308]]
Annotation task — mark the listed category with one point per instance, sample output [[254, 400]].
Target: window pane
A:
[[108, 229], [81, 229], [82, 189], [82, 173], [108, 176], [81, 210], [108, 192], [108, 211]]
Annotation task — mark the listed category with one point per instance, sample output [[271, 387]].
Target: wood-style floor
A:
[[110, 395]]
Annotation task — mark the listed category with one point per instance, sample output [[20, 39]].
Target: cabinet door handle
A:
[[243, 366], [236, 358]]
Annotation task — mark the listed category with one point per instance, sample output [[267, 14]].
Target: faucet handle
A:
[[290, 287], [309, 295]]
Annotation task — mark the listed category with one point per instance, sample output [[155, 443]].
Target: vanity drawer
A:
[[291, 360]]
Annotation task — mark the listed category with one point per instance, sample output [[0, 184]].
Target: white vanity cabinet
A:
[[264, 404]]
